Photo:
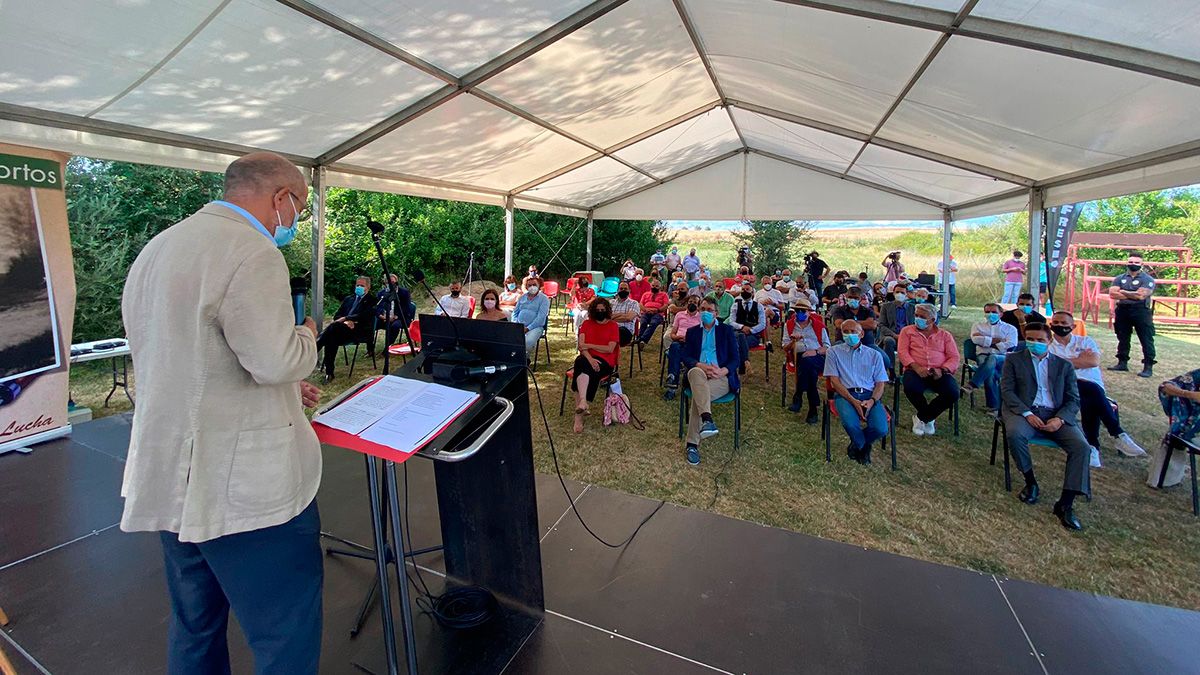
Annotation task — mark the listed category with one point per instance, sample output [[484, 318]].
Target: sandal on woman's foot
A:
[[578, 428]]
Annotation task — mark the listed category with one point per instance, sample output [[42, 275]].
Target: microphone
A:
[[480, 371], [299, 286]]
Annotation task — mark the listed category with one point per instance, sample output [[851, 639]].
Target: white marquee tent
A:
[[605, 109]]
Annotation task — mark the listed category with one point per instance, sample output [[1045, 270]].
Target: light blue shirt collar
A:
[[246, 214]]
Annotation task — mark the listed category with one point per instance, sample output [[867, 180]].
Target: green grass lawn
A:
[[946, 503]]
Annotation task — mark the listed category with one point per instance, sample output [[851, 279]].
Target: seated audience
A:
[[833, 292], [581, 297], [654, 311], [396, 317], [710, 355], [599, 354], [1023, 314], [993, 340], [489, 307], [1039, 395], [893, 317], [864, 284], [745, 277], [929, 359], [858, 309], [532, 312], [1094, 408], [684, 320], [857, 375], [723, 300], [786, 284], [679, 300], [697, 289], [454, 303], [809, 341], [639, 285], [510, 294], [802, 291], [749, 321], [532, 273], [1180, 399], [625, 312], [354, 322], [771, 300]]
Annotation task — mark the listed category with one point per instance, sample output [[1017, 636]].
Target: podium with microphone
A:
[[470, 377]]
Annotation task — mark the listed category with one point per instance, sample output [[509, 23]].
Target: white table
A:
[[114, 349]]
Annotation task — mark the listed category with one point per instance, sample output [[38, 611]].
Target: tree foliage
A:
[[775, 244], [114, 208]]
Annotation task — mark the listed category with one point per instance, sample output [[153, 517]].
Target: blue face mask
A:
[[1028, 309], [707, 318], [360, 291], [993, 318], [853, 304], [512, 287], [922, 323], [285, 234], [852, 339], [801, 317], [1037, 348], [787, 277]]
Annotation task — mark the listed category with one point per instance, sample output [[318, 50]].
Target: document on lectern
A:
[[397, 412]]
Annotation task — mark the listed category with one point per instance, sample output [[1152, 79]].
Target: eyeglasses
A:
[[306, 212]]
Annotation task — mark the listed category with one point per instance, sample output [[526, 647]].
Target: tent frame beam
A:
[[698, 44], [508, 59], [955, 162], [317, 279], [853, 179], [1016, 35], [57, 120], [667, 179], [449, 185], [368, 38]]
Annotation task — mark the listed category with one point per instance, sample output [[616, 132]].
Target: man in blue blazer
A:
[[710, 354]]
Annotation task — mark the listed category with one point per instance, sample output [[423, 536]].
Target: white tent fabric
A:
[[698, 109]]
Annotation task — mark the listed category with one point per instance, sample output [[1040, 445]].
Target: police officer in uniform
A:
[[1132, 291]]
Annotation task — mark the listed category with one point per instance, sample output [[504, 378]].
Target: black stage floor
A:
[[694, 593]]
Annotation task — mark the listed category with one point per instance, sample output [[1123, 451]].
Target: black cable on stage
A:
[[570, 499]]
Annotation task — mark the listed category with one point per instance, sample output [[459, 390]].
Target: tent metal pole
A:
[[1037, 225], [590, 222], [508, 236], [947, 230], [318, 246]]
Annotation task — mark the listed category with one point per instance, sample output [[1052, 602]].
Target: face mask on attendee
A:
[[454, 293], [511, 286], [359, 291], [622, 294], [707, 318], [1133, 268], [691, 308], [746, 295], [284, 234], [853, 303], [922, 323], [637, 277], [656, 289], [992, 318], [532, 289], [1028, 309], [900, 297], [1061, 331], [853, 339], [801, 316], [583, 283], [787, 277], [1037, 348], [489, 304], [600, 315]]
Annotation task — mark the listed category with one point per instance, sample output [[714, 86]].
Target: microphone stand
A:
[[393, 309]]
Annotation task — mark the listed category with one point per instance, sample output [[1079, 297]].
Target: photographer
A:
[[892, 266], [815, 269]]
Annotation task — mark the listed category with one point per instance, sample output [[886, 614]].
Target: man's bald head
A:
[[268, 186], [261, 173]]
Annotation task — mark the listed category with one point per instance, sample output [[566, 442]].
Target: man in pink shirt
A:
[[1014, 275], [654, 307], [929, 358]]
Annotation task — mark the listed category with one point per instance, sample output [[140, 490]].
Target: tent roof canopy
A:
[[706, 109]]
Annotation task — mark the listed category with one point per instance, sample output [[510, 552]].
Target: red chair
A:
[[470, 306], [550, 288], [830, 411], [412, 347], [729, 282]]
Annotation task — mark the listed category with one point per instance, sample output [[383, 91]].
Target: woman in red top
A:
[[581, 297], [599, 352]]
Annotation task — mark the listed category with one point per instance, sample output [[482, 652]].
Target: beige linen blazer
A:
[[220, 442]]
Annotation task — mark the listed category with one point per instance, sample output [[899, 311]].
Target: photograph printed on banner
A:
[[28, 329]]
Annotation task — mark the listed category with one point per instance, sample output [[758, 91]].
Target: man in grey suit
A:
[[1039, 396]]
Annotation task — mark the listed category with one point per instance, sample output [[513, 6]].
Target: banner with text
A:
[[1061, 221], [37, 295]]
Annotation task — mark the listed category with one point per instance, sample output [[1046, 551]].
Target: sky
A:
[[823, 224]]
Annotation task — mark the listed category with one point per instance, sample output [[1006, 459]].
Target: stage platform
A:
[[694, 593]]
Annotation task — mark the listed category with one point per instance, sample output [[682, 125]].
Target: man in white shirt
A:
[[454, 303], [950, 281], [1094, 407], [771, 299], [993, 338], [786, 284]]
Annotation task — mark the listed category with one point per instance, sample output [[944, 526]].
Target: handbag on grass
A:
[[618, 410]]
